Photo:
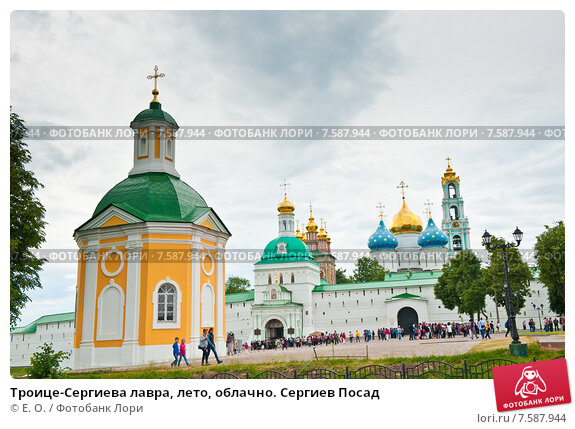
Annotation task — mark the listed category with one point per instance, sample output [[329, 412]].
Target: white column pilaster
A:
[[195, 285], [86, 352], [132, 315], [220, 301]]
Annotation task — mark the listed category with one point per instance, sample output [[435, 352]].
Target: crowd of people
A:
[[549, 324], [416, 331]]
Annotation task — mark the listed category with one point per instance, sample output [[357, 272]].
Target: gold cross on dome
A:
[[428, 205], [448, 159], [380, 207], [155, 76], [285, 185], [403, 187]]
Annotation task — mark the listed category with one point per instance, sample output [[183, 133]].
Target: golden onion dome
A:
[[311, 225], [298, 233], [286, 206], [322, 235], [406, 221]]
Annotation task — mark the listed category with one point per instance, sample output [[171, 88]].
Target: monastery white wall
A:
[[345, 311], [239, 320], [23, 346]]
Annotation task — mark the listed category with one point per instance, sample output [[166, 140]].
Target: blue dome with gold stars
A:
[[382, 239], [432, 236]]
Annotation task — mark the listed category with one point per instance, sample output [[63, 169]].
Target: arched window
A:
[[143, 146], [281, 279], [451, 193], [269, 279], [292, 278], [169, 148], [167, 297], [166, 300], [454, 213], [457, 243]]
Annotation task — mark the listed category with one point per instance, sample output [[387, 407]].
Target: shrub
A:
[[46, 363]]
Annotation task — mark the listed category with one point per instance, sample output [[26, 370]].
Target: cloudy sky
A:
[[296, 68]]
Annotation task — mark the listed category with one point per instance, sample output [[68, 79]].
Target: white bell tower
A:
[[154, 137]]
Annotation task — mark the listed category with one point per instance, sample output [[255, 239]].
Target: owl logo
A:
[[530, 383]]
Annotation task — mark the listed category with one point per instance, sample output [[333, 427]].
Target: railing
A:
[[427, 369], [434, 368]]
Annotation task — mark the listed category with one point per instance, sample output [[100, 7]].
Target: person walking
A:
[[473, 329], [230, 343], [507, 327], [487, 329], [481, 326], [183, 352], [203, 346], [176, 352], [212, 345]]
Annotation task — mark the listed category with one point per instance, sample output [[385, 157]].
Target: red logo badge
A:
[[529, 385]]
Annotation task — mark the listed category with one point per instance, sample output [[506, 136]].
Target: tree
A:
[[460, 284], [46, 363], [368, 270], [519, 276], [550, 256], [235, 284], [26, 222], [341, 277]]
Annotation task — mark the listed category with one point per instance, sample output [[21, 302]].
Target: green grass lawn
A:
[[336, 365], [18, 371]]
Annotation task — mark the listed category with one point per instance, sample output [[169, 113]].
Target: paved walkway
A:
[[375, 350]]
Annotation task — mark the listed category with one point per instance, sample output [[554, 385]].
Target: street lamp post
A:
[[539, 315], [516, 347]]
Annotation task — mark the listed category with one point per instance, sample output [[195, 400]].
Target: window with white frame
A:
[[167, 296], [169, 148], [167, 299], [143, 145]]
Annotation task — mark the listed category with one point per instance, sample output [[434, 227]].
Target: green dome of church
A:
[[155, 197], [154, 112], [286, 249]]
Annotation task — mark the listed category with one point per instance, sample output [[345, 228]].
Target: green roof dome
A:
[[295, 251], [155, 112], [155, 197]]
